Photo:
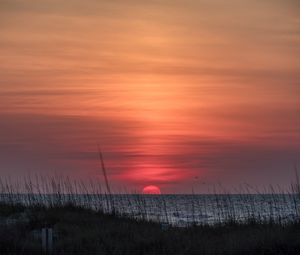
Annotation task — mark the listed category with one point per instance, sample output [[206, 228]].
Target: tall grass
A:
[[274, 205]]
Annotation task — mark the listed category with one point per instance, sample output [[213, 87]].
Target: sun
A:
[[151, 190]]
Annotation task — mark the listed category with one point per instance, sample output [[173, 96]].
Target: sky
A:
[[181, 94]]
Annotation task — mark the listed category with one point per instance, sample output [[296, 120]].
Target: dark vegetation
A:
[[86, 220], [84, 231]]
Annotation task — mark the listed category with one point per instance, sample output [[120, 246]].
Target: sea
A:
[[179, 210]]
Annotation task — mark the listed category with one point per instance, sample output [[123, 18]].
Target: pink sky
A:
[[171, 90]]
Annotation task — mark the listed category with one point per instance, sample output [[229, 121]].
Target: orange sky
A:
[[171, 90]]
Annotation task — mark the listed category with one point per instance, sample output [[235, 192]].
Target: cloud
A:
[[170, 89], [68, 145]]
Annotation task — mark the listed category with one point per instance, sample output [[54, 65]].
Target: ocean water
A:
[[180, 210]]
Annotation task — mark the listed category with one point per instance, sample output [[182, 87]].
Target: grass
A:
[[85, 231], [86, 220], [274, 205]]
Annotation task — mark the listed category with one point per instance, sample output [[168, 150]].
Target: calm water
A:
[[181, 209]]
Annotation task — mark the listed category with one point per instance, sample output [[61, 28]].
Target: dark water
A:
[[180, 209]]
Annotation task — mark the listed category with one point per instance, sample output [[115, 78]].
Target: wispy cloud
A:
[[171, 89]]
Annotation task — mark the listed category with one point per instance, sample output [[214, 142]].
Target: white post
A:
[[47, 240], [44, 239], [50, 240]]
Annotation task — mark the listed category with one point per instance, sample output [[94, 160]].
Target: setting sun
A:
[[151, 190]]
